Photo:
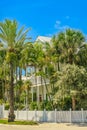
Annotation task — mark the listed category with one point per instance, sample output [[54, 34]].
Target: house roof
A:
[[43, 39]]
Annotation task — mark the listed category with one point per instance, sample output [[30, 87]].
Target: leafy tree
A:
[[72, 81]]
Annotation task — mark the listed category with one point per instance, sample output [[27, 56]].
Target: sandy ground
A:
[[46, 126]]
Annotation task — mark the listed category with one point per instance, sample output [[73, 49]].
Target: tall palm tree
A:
[[27, 86], [68, 43], [1, 70], [10, 36], [49, 65]]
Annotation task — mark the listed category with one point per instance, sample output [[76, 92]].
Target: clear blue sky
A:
[[46, 17]]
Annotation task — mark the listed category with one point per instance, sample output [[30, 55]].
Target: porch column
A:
[[32, 94], [38, 93], [44, 92], [31, 70]]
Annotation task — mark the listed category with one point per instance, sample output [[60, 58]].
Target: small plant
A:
[[1, 101], [33, 106], [7, 106]]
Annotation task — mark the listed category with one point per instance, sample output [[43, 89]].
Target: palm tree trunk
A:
[[16, 74], [48, 93], [11, 115], [16, 83], [70, 60], [73, 103], [58, 66], [20, 74], [42, 89], [36, 85], [1, 97], [47, 89]]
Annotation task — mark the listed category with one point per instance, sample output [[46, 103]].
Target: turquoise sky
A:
[[46, 17]]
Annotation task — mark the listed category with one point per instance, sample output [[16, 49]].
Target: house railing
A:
[[36, 80]]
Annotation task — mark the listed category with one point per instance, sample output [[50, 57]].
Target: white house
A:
[[43, 39], [37, 84]]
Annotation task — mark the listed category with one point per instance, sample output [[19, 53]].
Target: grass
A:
[[5, 121]]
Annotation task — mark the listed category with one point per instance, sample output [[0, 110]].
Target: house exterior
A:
[[37, 82], [43, 39]]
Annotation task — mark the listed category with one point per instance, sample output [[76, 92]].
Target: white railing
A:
[[51, 116], [36, 80]]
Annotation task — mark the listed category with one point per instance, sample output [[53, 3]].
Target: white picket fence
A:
[[51, 116], [1, 111]]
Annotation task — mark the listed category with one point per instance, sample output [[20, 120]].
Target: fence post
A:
[[82, 115], [3, 108], [44, 115], [55, 115], [17, 114], [35, 115], [70, 115], [26, 114]]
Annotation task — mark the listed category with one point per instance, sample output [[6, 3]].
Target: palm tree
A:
[[10, 36], [26, 55], [27, 86], [68, 43], [37, 57], [56, 39]]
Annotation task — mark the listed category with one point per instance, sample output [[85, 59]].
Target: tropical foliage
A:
[[62, 62]]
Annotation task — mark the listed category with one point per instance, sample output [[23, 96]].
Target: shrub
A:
[[33, 106], [1, 101], [41, 106], [7, 106], [21, 106]]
